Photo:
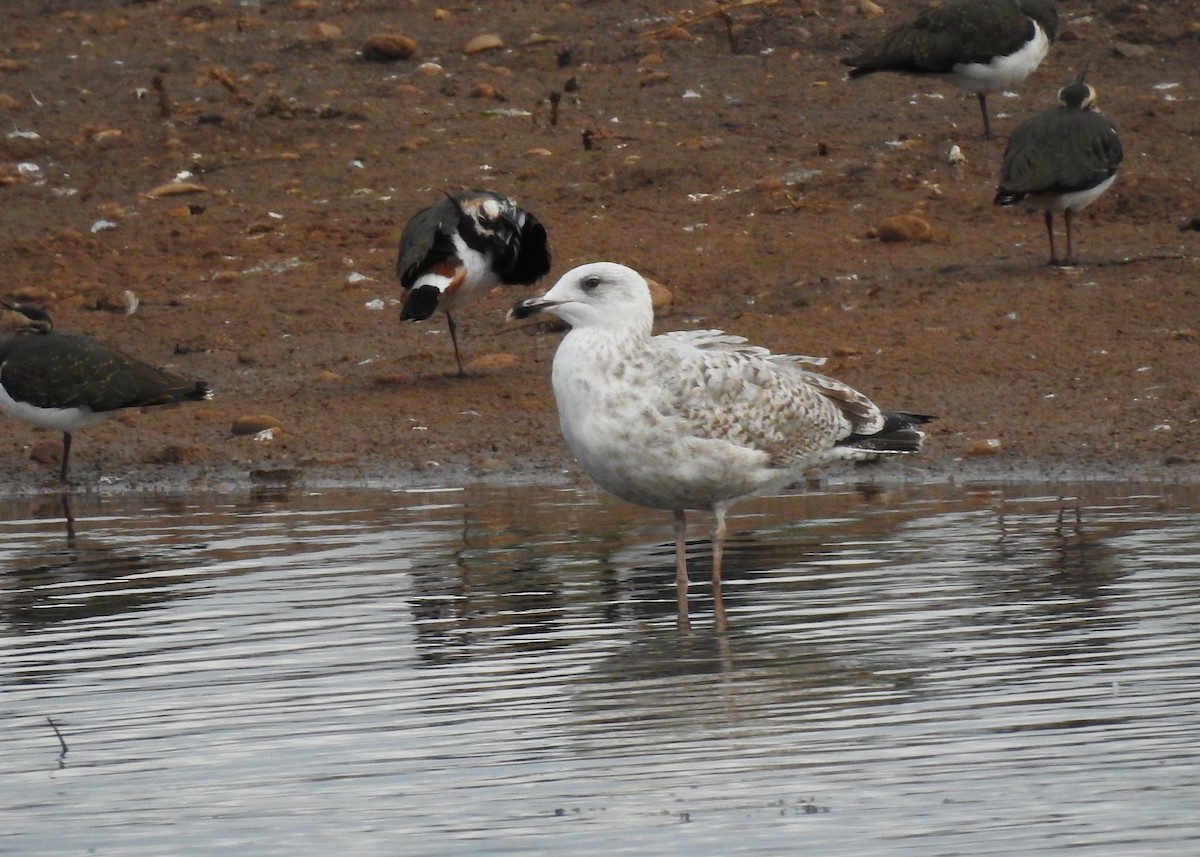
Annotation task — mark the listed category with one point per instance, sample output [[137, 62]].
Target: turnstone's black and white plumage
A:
[[1061, 159], [65, 382], [458, 249], [981, 46], [695, 419]]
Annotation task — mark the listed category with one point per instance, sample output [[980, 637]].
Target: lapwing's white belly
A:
[[1076, 200], [1003, 71], [55, 419]]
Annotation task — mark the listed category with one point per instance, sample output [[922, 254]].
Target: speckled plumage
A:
[[696, 419]]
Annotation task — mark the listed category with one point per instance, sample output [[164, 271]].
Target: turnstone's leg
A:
[[462, 373]]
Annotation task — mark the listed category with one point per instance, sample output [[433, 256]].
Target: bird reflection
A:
[[639, 580], [1064, 566], [479, 599], [505, 588], [459, 609], [81, 578], [481, 594]]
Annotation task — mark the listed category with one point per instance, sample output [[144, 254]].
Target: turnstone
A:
[[65, 382], [458, 249], [695, 419], [1061, 159], [981, 46]]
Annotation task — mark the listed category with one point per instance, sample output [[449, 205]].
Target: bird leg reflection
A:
[[64, 502], [718, 550], [681, 573]]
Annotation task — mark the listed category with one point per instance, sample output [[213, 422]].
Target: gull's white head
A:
[[598, 294]]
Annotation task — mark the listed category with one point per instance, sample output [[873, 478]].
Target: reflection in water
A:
[[1047, 557], [75, 577], [498, 670]]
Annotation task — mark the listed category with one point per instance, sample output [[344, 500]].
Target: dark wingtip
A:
[[899, 434], [900, 419]]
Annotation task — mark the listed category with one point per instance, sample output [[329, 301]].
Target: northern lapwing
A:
[[461, 247], [64, 382], [1061, 159], [981, 46], [695, 419]]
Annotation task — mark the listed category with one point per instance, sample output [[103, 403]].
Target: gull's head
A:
[[598, 294]]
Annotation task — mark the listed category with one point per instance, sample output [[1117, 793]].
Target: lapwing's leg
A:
[[718, 549], [987, 124], [681, 572], [1050, 232], [1070, 260], [62, 472], [454, 339]]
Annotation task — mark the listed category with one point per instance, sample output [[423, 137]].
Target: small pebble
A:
[[904, 227], [484, 42], [492, 361], [253, 425], [388, 47], [46, 451], [325, 32], [660, 296]]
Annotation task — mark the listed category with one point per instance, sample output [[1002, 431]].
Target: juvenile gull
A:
[[456, 250], [66, 382], [695, 419]]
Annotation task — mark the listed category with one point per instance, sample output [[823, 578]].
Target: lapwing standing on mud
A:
[[1061, 159], [981, 46], [460, 248], [65, 382]]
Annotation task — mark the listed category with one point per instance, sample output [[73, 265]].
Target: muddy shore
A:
[[725, 156]]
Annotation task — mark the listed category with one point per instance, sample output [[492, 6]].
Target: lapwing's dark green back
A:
[[1060, 150], [960, 31], [56, 370]]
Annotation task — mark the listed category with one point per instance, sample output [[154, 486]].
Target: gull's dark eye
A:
[[590, 284]]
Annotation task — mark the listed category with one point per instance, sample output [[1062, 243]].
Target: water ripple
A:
[[497, 671]]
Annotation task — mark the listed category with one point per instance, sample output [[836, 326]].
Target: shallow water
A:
[[930, 671]]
